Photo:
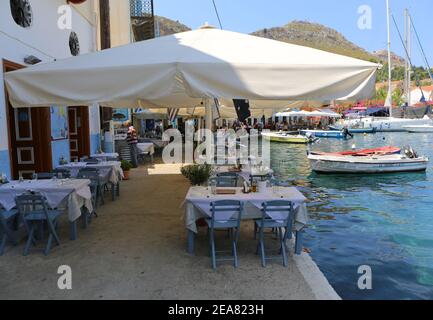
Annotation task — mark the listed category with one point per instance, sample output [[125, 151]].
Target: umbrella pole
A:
[[208, 127]]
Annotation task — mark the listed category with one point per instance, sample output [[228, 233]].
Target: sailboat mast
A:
[[389, 97], [408, 75]]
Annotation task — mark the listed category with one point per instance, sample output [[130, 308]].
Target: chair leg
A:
[[30, 240], [255, 230], [283, 247], [262, 248], [49, 244], [235, 253], [3, 244], [212, 245], [118, 189], [113, 192]]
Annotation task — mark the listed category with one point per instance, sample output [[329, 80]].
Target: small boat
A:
[[363, 152], [287, 137], [325, 133], [354, 130], [389, 163], [419, 129]]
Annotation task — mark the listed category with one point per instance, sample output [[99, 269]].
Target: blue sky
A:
[[250, 15]]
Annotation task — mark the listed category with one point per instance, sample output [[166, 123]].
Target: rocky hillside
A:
[[316, 36], [303, 33], [167, 26], [382, 55]]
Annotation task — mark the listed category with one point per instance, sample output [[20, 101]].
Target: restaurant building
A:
[[42, 31]]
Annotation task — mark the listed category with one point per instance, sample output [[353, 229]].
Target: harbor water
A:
[[384, 221]]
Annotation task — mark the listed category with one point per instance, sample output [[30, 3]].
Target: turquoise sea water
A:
[[384, 221]]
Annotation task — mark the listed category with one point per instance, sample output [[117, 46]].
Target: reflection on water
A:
[[384, 221]]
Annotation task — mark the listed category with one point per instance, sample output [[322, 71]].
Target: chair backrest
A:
[[88, 173], [278, 211], [62, 173], [227, 179], [91, 160], [226, 210], [31, 201], [45, 175]]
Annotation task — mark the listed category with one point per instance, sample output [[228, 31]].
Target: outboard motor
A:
[[410, 153]]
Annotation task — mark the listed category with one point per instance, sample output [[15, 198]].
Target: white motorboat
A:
[[367, 164], [387, 124], [419, 129]]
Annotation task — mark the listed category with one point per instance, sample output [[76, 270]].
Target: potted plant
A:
[[197, 174], [126, 167]]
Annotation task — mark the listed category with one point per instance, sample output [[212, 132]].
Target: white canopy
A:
[[183, 69], [319, 113]]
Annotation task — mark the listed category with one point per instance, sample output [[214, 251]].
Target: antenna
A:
[[217, 14]]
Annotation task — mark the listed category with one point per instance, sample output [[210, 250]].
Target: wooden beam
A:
[[104, 13]]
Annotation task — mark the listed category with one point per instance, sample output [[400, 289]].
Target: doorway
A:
[[79, 132], [29, 136]]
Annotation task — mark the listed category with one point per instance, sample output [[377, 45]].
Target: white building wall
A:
[[46, 41]]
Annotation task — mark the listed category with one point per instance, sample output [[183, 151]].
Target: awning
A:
[[183, 69]]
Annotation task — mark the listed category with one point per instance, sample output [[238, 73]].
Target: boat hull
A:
[[274, 137], [419, 129], [369, 165], [325, 134], [353, 130], [386, 124]]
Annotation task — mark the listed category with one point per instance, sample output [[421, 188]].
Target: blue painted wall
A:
[[5, 167], [95, 143], [59, 149]]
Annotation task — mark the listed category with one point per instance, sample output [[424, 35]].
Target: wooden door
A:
[[79, 133], [29, 137]]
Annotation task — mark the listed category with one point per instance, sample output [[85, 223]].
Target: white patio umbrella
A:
[[185, 69]]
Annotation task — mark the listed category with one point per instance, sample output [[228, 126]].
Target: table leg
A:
[[113, 191], [74, 230], [191, 239], [299, 242]]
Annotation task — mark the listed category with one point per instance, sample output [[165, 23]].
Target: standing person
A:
[[132, 140]]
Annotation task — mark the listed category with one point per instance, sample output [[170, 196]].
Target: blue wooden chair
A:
[[6, 232], [34, 209], [227, 180], [277, 215], [45, 175], [62, 173], [93, 175], [226, 215]]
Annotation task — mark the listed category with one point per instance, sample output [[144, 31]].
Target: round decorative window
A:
[[74, 44], [22, 12]]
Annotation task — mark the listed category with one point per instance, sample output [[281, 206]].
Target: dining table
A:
[[197, 205], [108, 170], [103, 156], [72, 194]]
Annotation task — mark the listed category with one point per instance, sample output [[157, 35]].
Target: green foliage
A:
[[397, 73], [397, 97], [126, 165], [197, 174], [381, 94]]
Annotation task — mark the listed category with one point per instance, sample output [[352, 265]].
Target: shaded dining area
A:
[[30, 209]]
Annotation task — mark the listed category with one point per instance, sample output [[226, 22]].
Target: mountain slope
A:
[[316, 36], [167, 26]]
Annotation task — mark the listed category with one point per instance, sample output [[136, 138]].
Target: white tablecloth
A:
[[112, 169], [104, 156], [146, 147], [198, 200], [75, 193]]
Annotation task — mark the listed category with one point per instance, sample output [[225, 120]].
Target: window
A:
[[21, 11], [74, 44]]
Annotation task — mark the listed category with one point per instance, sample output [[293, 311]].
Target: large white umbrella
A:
[[183, 69]]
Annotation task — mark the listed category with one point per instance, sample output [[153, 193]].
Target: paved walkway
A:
[[136, 250]]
